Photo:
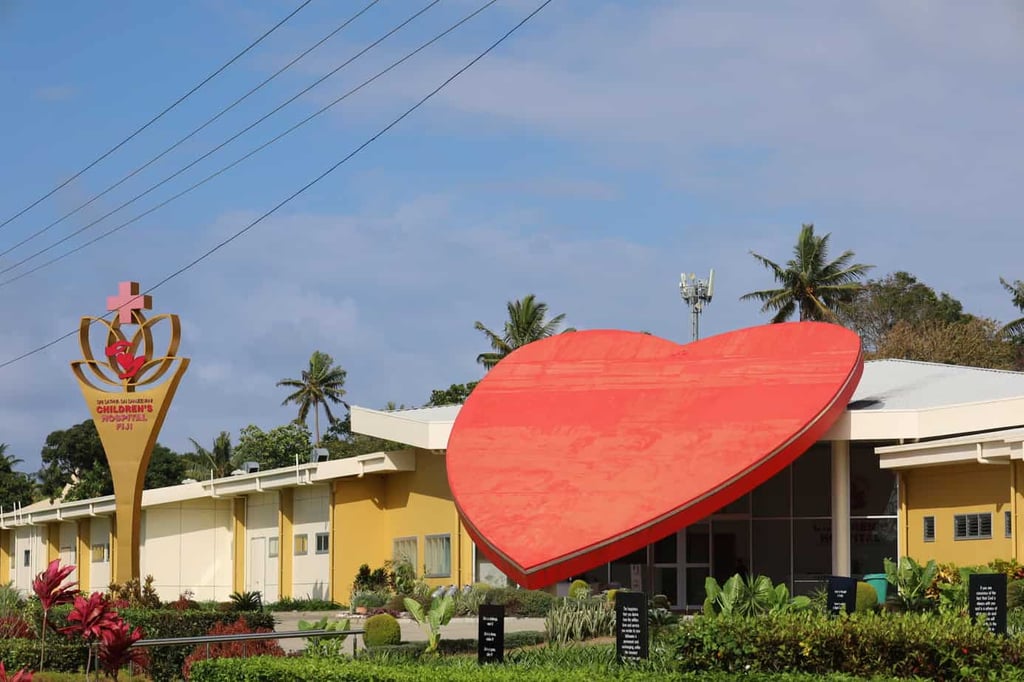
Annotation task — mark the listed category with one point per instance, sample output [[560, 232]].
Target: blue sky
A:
[[604, 149]]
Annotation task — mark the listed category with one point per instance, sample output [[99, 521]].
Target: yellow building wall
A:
[[370, 513], [5, 557], [946, 491]]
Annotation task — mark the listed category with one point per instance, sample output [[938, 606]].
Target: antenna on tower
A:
[[696, 293]]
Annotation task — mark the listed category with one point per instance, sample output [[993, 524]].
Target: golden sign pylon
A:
[[128, 419]]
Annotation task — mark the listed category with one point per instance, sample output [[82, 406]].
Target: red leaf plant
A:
[[235, 649], [20, 676], [52, 591], [116, 650], [15, 627], [90, 617]]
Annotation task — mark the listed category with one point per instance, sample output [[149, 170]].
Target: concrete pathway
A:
[[458, 628]]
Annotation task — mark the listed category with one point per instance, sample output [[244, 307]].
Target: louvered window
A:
[[929, 529], [972, 526]]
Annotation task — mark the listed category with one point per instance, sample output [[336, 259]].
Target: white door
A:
[[257, 566]]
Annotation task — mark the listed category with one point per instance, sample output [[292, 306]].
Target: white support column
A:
[[841, 507]]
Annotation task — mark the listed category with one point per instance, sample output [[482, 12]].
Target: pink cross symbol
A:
[[127, 300]]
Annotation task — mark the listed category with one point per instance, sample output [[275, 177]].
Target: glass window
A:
[[772, 550], [972, 526], [323, 543], [100, 553], [871, 542], [301, 544], [929, 529], [621, 569], [272, 548], [437, 555], [812, 482], [872, 489], [730, 548], [404, 550], [665, 550], [28, 558], [1007, 524], [771, 498], [812, 549]]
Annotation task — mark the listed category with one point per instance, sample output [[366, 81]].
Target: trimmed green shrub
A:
[[406, 651], [524, 603], [61, 655], [867, 597], [466, 670], [304, 604], [382, 630], [943, 647], [579, 589]]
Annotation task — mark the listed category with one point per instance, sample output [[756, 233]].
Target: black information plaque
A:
[[490, 640], [631, 643], [842, 595], [986, 596]]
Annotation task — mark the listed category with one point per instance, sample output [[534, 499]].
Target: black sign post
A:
[[631, 643], [490, 640], [986, 596], [842, 595]]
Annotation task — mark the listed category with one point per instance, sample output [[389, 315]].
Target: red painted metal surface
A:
[[581, 448]]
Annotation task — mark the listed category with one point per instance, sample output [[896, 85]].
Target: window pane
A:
[[665, 550], [872, 489], [322, 543], [301, 544], [272, 547], [695, 577], [772, 550], [871, 541], [730, 545], [665, 582], [812, 549], [698, 540], [771, 498], [812, 482], [437, 551], [405, 550]]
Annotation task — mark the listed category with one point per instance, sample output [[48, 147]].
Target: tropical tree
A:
[[216, 461], [810, 283], [527, 322], [881, 304], [1015, 329], [15, 486], [320, 385], [972, 342]]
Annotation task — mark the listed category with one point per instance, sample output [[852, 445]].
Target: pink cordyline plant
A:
[[89, 618], [116, 649], [20, 676], [52, 591]]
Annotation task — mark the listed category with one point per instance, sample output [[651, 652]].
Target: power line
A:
[[223, 169], [193, 133], [155, 118], [309, 184], [223, 144]]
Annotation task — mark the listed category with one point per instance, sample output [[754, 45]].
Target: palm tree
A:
[[526, 323], [215, 461], [1014, 329], [320, 385], [810, 282]]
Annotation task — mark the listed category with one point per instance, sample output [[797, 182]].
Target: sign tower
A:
[[128, 389]]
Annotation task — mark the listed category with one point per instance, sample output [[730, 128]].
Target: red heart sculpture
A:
[[581, 448]]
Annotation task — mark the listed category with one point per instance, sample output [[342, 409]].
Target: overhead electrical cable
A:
[[191, 264], [177, 144], [223, 144], [223, 169], [154, 119]]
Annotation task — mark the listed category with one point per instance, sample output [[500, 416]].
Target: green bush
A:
[[381, 630], [61, 655], [575, 620], [574, 667], [867, 597], [468, 603], [579, 589], [524, 603], [306, 604], [944, 647], [370, 600]]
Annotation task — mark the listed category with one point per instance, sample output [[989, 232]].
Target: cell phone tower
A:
[[696, 293]]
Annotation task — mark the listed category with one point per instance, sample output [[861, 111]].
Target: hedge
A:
[[910, 645], [461, 670], [61, 655]]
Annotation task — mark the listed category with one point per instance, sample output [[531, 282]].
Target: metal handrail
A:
[[246, 636]]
